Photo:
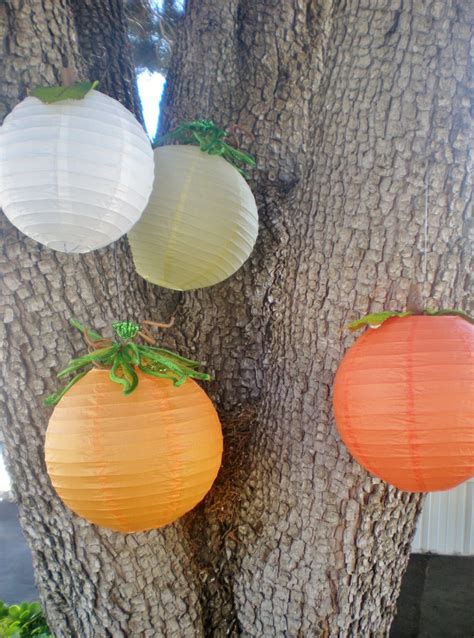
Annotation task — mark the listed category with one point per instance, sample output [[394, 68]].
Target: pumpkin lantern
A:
[[201, 222], [404, 401], [75, 172], [136, 460]]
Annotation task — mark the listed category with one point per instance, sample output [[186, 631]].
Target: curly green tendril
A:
[[210, 139], [123, 357]]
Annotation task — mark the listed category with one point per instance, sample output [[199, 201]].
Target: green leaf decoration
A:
[[453, 312], [56, 397], [210, 139], [94, 336], [376, 319], [51, 94], [126, 329], [123, 358]]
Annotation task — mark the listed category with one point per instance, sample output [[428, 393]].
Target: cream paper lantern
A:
[[201, 222], [75, 175]]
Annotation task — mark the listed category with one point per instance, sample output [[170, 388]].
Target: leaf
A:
[[36, 608], [131, 376], [210, 139], [20, 621], [162, 361], [132, 352], [117, 365], [202, 376], [54, 398], [123, 358], [375, 319], [153, 373], [14, 611], [166, 364], [94, 336], [189, 363], [95, 355], [449, 312], [51, 94], [126, 329]]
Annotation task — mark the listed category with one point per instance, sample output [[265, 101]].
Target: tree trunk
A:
[[355, 107], [92, 582]]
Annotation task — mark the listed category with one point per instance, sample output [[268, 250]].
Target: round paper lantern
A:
[[201, 222], [404, 402], [74, 175], [133, 462]]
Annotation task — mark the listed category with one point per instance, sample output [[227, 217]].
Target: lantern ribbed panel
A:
[[74, 175], [201, 222], [133, 462], [404, 402]]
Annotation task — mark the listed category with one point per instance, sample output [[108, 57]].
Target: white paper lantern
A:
[[74, 175], [201, 222]]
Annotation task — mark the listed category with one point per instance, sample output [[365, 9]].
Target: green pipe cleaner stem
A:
[[210, 139], [123, 357]]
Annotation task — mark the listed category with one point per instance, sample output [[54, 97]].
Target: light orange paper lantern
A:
[[404, 402], [136, 462]]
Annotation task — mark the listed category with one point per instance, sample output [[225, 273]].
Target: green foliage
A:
[[376, 319], [452, 312], [126, 329], [50, 94], [25, 620], [122, 358], [210, 139], [151, 32]]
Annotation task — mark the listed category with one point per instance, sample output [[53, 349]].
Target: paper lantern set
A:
[[136, 446], [404, 402], [76, 174]]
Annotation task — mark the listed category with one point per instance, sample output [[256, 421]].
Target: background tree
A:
[[354, 108], [152, 31]]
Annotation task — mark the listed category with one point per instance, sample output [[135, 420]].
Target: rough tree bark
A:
[[354, 106]]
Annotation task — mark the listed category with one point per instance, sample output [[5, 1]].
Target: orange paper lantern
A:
[[133, 462], [403, 402]]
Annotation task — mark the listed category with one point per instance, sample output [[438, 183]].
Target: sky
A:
[[4, 480], [150, 86]]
